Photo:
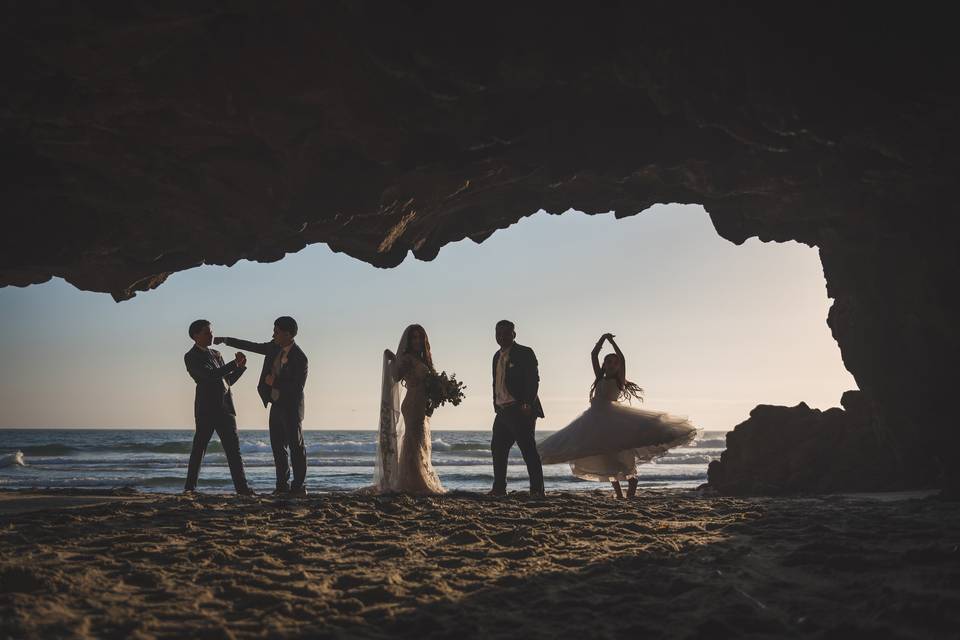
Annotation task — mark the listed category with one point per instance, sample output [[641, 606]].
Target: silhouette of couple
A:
[[280, 386], [403, 462]]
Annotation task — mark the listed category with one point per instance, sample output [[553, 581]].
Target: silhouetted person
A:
[[516, 380], [281, 385], [606, 442], [213, 405]]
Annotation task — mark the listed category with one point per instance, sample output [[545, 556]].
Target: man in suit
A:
[[213, 405], [516, 380], [281, 383]]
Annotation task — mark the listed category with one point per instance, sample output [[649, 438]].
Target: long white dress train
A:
[[607, 441]]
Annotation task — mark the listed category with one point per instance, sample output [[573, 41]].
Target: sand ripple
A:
[[672, 564]]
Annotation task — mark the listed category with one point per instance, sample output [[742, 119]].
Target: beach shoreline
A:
[[672, 563], [155, 461]]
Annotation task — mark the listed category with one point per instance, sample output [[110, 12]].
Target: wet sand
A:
[[670, 564]]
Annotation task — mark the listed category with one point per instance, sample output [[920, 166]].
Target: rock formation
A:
[[787, 450], [142, 138]]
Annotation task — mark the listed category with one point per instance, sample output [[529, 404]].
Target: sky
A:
[[709, 329]]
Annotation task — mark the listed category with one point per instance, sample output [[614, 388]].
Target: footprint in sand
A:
[[463, 537]]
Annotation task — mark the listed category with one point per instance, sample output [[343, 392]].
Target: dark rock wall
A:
[[142, 138], [788, 450]]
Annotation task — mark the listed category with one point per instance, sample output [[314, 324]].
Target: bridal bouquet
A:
[[441, 389]]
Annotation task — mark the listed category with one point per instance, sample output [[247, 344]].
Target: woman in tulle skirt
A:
[[608, 440]]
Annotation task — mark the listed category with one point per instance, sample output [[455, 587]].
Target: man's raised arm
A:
[[204, 370], [263, 348]]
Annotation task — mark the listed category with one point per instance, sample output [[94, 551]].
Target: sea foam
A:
[[12, 460]]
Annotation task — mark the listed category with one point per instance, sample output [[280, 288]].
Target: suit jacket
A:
[[213, 379], [292, 378], [522, 377]]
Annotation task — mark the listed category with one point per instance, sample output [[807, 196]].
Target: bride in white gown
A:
[[403, 447], [608, 440]]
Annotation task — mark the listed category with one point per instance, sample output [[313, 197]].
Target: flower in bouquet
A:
[[441, 389]]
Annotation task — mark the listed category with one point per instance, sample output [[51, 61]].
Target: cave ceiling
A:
[[144, 138]]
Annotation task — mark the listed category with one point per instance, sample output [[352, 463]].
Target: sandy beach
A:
[[670, 564]]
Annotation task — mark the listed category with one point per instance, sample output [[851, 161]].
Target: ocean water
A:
[[156, 461]]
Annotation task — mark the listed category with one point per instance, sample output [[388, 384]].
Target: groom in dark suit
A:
[[213, 405], [281, 384], [516, 380]]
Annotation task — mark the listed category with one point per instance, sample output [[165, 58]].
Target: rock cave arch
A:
[[133, 132]]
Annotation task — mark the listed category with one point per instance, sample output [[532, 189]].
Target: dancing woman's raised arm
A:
[[594, 356]]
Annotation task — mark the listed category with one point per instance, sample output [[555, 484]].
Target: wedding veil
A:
[[390, 431]]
